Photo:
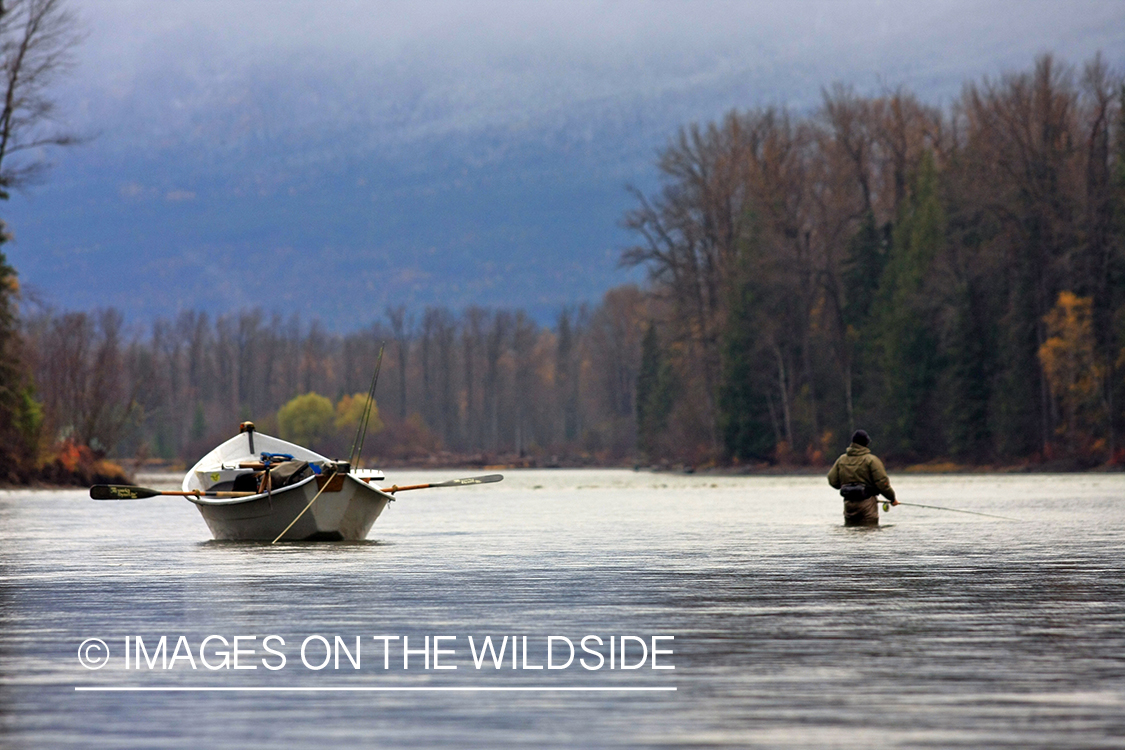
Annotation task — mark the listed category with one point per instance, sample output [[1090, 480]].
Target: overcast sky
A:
[[495, 138], [474, 63]]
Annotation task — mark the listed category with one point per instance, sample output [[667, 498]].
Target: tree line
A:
[[36, 39], [476, 385], [950, 279]]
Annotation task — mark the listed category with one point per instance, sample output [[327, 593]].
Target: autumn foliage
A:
[[1074, 372], [950, 279]]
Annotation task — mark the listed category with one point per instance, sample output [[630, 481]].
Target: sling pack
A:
[[855, 492]]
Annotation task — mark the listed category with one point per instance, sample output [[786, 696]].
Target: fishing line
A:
[[887, 508]]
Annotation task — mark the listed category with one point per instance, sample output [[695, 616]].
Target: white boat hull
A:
[[344, 511], [345, 515]]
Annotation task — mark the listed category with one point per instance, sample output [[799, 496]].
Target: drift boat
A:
[[253, 486]]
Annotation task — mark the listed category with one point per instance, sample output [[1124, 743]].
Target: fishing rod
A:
[[361, 432], [887, 508], [357, 444]]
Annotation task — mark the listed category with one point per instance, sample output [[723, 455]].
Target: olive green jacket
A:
[[861, 466]]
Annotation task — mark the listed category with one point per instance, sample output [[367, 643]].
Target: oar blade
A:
[[487, 479], [120, 492]]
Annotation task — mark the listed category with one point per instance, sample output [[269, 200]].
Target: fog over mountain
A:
[[332, 158]]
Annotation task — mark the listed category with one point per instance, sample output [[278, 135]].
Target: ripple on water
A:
[[936, 630]]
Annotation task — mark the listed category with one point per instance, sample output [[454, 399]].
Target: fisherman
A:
[[860, 477]]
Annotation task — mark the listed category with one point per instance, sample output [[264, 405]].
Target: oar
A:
[[128, 492], [952, 510], [451, 483]]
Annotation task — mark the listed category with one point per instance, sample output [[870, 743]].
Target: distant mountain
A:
[[332, 163], [339, 243]]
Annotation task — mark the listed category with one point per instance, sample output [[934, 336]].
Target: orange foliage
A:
[[77, 465], [1071, 366]]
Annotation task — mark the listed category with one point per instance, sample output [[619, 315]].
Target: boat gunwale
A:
[[213, 502]]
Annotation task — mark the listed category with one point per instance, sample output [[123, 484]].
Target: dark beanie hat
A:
[[860, 438]]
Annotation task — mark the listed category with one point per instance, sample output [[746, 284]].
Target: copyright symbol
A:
[[93, 653]]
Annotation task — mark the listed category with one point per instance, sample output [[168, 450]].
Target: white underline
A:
[[381, 688]]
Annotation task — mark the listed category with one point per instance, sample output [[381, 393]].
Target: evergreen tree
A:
[[655, 394], [862, 272], [1019, 411], [863, 268], [744, 419], [20, 414], [198, 424], [1115, 361], [970, 364], [35, 42], [905, 339], [566, 377]]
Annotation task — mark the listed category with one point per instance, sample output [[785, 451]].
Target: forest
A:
[[480, 386], [951, 279]]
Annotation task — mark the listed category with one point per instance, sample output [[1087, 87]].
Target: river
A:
[[783, 628]]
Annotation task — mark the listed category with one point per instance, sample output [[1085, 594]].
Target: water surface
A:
[[936, 630]]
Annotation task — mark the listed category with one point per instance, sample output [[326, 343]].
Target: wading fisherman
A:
[[860, 477]]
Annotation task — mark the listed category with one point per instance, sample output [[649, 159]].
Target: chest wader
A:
[[860, 506]]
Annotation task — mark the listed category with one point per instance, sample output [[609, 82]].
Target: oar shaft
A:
[[130, 492], [392, 490], [450, 483], [210, 494]]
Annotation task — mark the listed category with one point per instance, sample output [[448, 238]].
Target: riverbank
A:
[[78, 467], [70, 465]]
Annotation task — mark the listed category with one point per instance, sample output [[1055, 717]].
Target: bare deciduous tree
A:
[[36, 39]]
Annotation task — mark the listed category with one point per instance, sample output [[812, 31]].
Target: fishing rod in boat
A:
[[887, 507], [357, 444], [361, 432]]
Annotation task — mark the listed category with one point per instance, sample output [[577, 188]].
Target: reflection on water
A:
[[935, 630]]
